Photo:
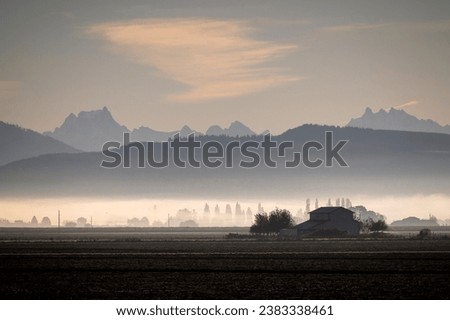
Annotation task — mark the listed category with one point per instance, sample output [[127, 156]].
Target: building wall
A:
[[351, 227], [319, 216], [341, 216]]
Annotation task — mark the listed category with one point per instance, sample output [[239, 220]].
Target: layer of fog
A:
[[158, 211]]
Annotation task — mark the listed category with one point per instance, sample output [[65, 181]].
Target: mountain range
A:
[[17, 143], [396, 119], [89, 130], [382, 162], [236, 129]]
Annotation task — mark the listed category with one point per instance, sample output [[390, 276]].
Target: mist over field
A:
[[116, 212], [396, 173]]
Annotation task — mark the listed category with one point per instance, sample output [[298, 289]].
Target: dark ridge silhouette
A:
[[17, 143], [380, 162]]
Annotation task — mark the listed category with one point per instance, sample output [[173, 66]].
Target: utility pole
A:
[[168, 220], [59, 219]]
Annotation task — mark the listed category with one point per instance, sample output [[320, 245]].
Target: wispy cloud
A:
[[354, 27], [407, 104], [9, 89], [424, 26], [213, 58]]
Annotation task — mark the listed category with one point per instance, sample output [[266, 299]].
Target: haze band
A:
[[214, 154]]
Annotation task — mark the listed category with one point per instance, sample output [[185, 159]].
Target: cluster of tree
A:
[[158, 224], [416, 222], [272, 223], [183, 218], [237, 210], [186, 214], [188, 224], [135, 222], [364, 215], [80, 223], [45, 222], [373, 226]]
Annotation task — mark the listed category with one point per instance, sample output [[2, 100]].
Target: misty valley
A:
[[186, 215]]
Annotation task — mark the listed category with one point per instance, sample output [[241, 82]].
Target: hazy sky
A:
[[270, 64]]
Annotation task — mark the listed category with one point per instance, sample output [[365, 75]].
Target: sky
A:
[[270, 64]]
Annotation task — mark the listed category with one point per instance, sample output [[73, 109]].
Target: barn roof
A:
[[330, 210], [307, 225]]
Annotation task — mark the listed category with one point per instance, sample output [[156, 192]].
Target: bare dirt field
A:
[[133, 264]]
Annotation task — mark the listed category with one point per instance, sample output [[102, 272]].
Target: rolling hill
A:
[[17, 143]]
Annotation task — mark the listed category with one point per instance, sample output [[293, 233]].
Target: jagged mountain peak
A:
[[236, 129], [238, 124], [100, 114], [89, 130], [185, 128], [368, 111], [396, 119]]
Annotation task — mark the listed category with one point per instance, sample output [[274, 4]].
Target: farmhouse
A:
[[327, 218]]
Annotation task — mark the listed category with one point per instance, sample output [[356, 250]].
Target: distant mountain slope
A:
[[17, 143], [89, 130], [395, 119], [236, 129], [146, 134], [380, 162]]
